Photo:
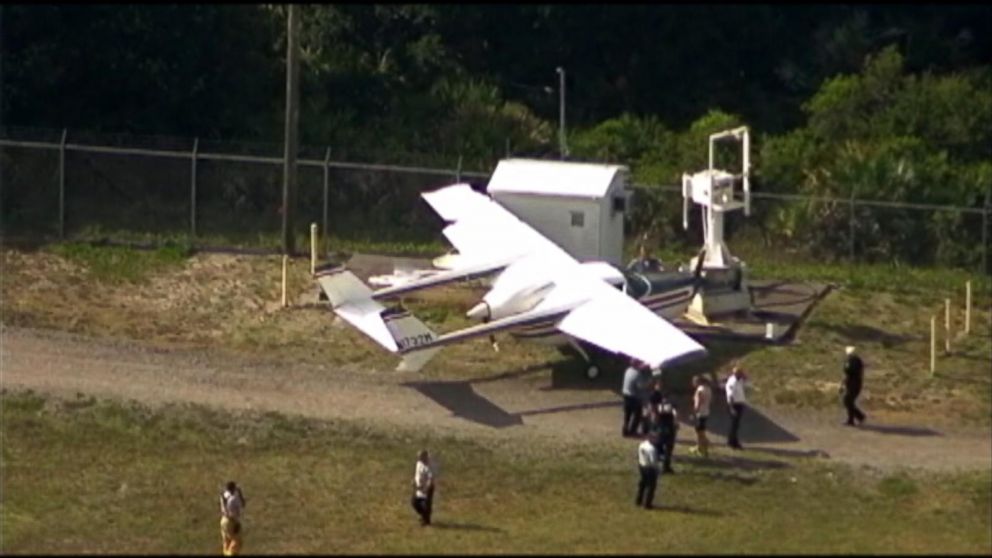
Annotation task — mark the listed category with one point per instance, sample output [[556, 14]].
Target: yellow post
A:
[[967, 307], [313, 248], [933, 344], [285, 264], [947, 326]]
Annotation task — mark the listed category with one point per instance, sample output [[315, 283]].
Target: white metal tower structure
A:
[[725, 287]]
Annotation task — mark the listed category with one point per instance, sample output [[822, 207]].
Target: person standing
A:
[[735, 404], [649, 415], [423, 488], [701, 412], [232, 503], [853, 379], [631, 398], [667, 421], [647, 462]]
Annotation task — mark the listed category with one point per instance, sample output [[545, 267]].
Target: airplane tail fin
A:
[[394, 328], [413, 339]]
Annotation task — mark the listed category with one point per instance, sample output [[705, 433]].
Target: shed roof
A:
[[556, 178]]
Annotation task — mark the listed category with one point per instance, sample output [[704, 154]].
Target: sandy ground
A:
[[533, 404]]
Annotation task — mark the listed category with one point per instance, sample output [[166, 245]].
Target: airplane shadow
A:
[[462, 400], [465, 527]]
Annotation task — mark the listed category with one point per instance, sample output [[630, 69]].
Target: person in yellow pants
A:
[[232, 502]]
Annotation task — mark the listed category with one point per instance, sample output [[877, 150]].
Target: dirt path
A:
[[527, 403]]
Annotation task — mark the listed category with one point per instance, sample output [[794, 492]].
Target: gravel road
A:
[[531, 404]]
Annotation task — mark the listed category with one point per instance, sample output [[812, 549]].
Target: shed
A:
[[578, 206]]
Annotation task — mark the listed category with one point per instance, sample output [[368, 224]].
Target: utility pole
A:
[[292, 130], [563, 149]]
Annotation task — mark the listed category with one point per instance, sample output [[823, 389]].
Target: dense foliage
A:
[[888, 102]]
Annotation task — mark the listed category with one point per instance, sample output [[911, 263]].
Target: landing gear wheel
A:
[[592, 372]]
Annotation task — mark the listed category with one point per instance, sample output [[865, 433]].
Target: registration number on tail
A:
[[413, 341]]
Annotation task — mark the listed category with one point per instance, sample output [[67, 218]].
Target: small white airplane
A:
[[541, 293]]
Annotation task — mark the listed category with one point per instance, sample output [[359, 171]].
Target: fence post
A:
[[313, 248], [985, 232], [327, 180], [65, 134], [933, 344], [851, 229], [192, 188], [458, 171], [285, 265], [947, 326], [967, 307]]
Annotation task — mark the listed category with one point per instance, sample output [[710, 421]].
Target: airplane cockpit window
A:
[[636, 285]]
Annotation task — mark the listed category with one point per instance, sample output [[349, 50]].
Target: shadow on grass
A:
[[782, 452], [900, 430], [732, 462], [465, 526], [861, 333], [685, 509], [719, 476]]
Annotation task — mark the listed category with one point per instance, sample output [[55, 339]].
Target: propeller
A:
[[697, 274]]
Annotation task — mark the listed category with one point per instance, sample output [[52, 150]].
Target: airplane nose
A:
[[479, 311]]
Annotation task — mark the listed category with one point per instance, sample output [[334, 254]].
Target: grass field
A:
[[86, 476]]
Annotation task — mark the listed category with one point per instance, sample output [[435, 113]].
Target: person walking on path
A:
[[232, 503], [701, 412], [735, 404], [647, 462], [851, 388], [423, 488], [631, 392]]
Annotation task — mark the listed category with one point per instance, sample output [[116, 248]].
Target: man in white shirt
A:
[[647, 462], [735, 404], [701, 411], [631, 391], [232, 502], [423, 488]]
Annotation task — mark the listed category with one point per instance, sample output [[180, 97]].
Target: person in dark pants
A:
[[647, 462], [665, 426], [853, 379], [423, 488], [735, 405], [649, 414], [631, 398]]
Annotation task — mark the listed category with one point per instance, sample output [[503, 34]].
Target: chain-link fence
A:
[[66, 184]]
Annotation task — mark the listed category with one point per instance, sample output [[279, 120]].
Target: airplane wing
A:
[[617, 323], [483, 230]]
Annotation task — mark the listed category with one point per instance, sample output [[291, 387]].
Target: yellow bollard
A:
[[285, 264], [947, 326], [933, 344], [967, 307], [313, 248]]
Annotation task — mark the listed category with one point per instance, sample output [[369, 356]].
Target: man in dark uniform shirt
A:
[[853, 379], [665, 425]]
